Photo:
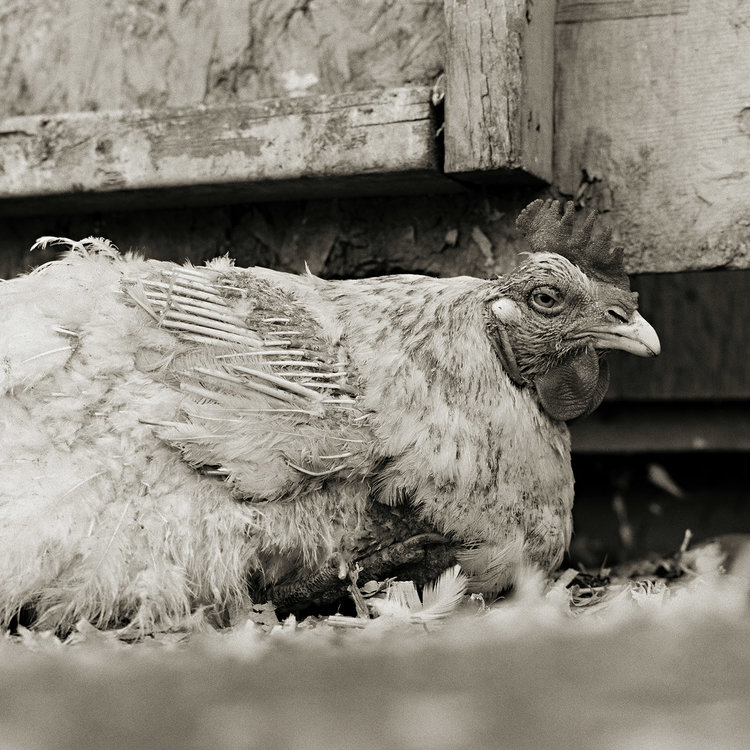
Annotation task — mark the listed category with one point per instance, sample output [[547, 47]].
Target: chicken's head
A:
[[553, 317]]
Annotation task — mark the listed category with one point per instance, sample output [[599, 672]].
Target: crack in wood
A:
[[577, 11]]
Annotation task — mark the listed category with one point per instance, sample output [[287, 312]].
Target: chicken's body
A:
[[167, 433]]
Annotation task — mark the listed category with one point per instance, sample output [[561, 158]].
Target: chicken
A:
[[171, 433]]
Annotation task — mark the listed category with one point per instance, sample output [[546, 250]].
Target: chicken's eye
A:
[[546, 300]]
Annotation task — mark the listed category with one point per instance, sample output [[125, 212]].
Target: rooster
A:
[[174, 437]]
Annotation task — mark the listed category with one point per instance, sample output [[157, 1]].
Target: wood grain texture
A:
[[702, 320], [358, 142], [652, 123], [78, 55], [499, 88], [572, 11]]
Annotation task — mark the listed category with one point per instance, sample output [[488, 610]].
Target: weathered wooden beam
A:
[[652, 126], [362, 143], [499, 88], [664, 427]]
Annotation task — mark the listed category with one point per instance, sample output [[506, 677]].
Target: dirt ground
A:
[[656, 678], [648, 663]]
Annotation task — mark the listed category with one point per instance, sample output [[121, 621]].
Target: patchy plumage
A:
[[168, 433]]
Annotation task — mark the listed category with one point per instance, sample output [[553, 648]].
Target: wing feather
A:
[[269, 403]]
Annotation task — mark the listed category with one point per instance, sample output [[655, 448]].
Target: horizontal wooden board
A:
[[643, 428], [357, 143]]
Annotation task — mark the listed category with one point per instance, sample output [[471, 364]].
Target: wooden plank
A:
[[499, 88], [357, 143], [654, 427], [652, 127]]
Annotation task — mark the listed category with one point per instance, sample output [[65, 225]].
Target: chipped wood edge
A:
[[499, 89], [365, 143]]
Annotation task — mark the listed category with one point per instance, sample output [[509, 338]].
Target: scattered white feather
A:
[[98, 245], [439, 599], [655, 670]]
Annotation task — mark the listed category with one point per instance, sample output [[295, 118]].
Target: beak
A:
[[637, 336]]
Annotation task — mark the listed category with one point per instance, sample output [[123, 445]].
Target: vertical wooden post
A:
[[499, 88]]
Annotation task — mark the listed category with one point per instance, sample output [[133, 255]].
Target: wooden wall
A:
[[651, 99], [702, 319], [652, 126]]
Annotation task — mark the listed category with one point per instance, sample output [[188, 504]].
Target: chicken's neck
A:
[[457, 436]]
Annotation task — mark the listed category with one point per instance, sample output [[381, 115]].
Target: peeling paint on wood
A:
[[358, 142], [652, 111]]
